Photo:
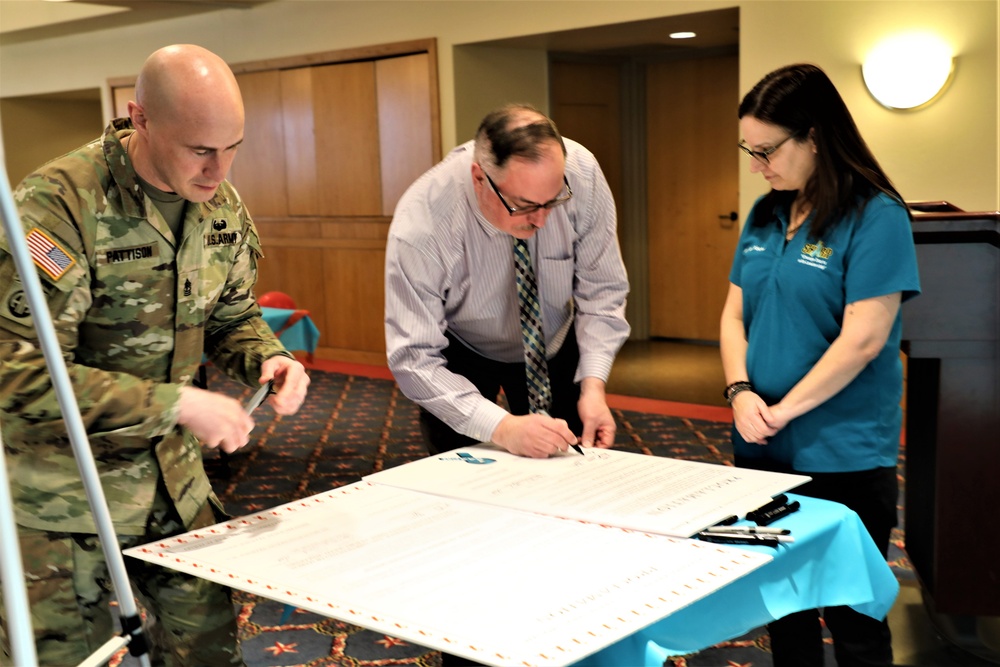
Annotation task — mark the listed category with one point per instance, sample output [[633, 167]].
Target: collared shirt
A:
[[794, 296], [449, 269]]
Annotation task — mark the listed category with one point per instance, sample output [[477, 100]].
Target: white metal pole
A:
[[71, 415], [15, 597]]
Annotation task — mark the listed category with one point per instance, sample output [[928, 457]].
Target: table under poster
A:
[[468, 568]]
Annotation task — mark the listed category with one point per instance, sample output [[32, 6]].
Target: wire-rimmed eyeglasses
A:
[[764, 156], [531, 208]]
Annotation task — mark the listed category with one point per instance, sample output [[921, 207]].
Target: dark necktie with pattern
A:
[[535, 367]]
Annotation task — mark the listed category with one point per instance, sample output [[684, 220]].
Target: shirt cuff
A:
[[164, 409], [593, 366], [484, 420]]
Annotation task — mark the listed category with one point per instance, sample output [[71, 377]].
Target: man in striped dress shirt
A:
[[453, 333]]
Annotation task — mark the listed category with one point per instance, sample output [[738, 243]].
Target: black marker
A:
[[773, 515], [776, 502]]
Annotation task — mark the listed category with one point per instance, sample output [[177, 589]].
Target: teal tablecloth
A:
[[302, 335], [833, 561]]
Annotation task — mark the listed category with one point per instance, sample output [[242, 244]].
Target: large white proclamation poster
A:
[[499, 586], [649, 493]]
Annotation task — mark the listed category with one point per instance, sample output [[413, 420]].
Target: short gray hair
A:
[[514, 130]]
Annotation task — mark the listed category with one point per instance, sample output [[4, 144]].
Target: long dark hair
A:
[[802, 100]]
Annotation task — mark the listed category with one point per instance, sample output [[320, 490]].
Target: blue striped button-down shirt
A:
[[448, 269]]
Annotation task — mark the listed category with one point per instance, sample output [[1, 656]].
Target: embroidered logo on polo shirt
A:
[[816, 254]]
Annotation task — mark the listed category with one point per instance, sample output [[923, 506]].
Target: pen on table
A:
[[757, 530], [745, 538]]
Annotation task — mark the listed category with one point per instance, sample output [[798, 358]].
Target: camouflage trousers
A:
[[190, 621]]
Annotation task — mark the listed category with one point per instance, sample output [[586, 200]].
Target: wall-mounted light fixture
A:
[[908, 71]]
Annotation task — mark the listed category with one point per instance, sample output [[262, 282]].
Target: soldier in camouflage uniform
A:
[[148, 259]]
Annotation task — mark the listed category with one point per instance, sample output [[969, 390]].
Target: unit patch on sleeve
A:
[[48, 255]]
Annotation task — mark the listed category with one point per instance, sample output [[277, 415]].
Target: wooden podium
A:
[[951, 334]]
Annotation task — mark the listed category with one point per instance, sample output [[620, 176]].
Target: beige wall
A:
[[58, 126], [947, 151], [489, 77]]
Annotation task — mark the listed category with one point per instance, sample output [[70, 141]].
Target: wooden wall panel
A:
[[404, 121], [300, 141], [354, 318], [298, 272], [258, 172], [347, 154]]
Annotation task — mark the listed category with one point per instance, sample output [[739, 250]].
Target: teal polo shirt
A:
[[794, 296]]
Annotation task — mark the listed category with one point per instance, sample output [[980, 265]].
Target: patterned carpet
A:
[[352, 426]]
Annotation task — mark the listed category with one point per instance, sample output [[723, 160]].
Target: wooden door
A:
[[692, 193], [585, 99]]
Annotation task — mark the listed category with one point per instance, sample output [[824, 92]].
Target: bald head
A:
[[186, 79], [188, 119]]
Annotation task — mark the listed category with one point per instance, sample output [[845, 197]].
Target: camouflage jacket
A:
[[134, 309]]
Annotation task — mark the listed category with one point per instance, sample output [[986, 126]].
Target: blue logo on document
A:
[[466, 457]]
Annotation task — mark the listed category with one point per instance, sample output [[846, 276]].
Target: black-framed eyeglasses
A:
[[531, 208], [764, 156]]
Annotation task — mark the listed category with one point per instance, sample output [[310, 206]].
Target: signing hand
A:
[[534, 436]]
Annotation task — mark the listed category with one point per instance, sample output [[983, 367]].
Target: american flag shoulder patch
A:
[[48, 255]]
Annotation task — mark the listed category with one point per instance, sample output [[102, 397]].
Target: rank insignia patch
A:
[[48, 255]]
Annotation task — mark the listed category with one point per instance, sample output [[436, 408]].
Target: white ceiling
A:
[[28, 20]]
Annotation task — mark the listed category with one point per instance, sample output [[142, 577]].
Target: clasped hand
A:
[[754, 420]]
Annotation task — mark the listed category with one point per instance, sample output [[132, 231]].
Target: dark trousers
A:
[[796, 639], [490, 377]]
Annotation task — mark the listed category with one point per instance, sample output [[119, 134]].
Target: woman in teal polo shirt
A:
[[810, 331]]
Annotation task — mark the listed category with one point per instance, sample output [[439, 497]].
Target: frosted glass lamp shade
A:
[[908, 71]]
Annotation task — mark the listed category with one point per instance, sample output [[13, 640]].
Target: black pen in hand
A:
[[255, 402], [575, 445]]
